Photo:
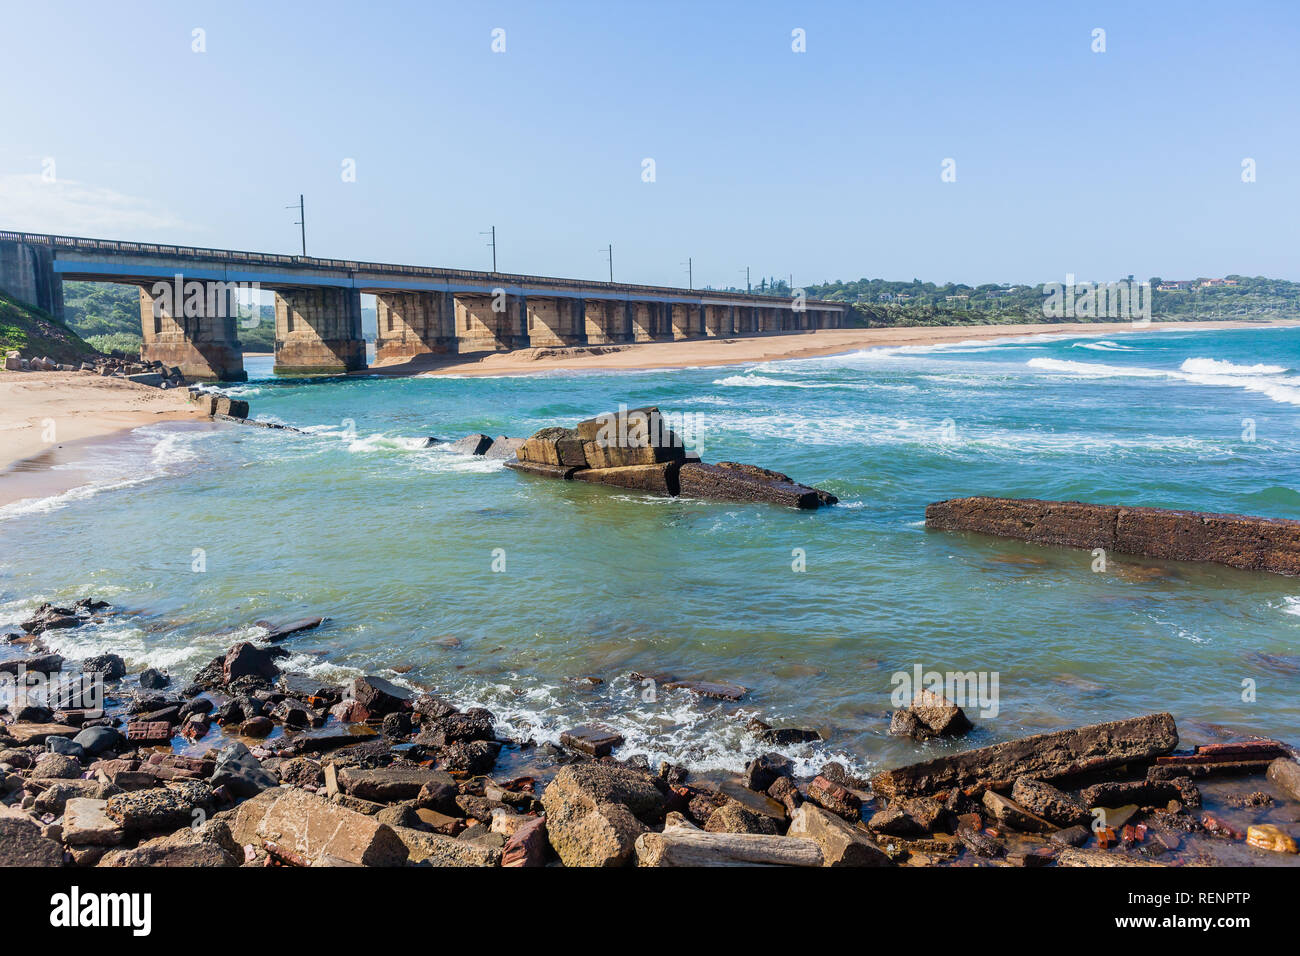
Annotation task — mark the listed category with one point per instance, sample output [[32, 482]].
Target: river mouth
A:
[[207, 529]]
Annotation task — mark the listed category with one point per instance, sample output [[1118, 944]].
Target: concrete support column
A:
[[607, 321], [681, 320], [318, 331], [191, 325], [414, 323], [27, 274], [718, 321], [490, 323], [555, 322]]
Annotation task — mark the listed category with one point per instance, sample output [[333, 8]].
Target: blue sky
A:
[[824, 164]]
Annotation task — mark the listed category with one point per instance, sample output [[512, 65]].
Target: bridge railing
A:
[[352, 265]]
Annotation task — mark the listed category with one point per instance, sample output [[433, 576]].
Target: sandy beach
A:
[[697, 353], [46, 416]]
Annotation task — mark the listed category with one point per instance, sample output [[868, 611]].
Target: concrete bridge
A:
[[189, 318]]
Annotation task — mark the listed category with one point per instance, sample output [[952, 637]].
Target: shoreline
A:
[[720, 352]]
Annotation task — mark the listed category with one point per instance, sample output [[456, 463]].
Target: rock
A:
[[281, 631], [379, 696], [638, 436], [51, 618], [719, 483], [1266, 836], [257, 727], [655, 479], [1046, 801], [57, 767], [86, 824], [835, 798], [1013, 815], [400, 815], [503, 448], [474, 724], [97, 741], [41, 664], [1147, 793], [22, 844], [592, 813], [527, 845], [390, 784], [160, 808], [1069, 856], [1284, 773], [208, 845], [439, 793], [592, 740], [231, 407], [1071, 836], [240, 773], [434, 849], [930, 715], [153, 679], [318, 831], [65, 747], [895, 821], [108, 666], [249, 660], [1239, 541], [766, 769], [302, 772], [473, 757], [476, 444], [842, 844], [734, 817], [556, 448], [786, 736], [1097, 747]]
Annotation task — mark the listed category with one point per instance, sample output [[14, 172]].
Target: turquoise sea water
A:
[[396, 543]]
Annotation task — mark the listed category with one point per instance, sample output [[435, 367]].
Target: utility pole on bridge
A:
[[302, 221], [690, 272], [493, 244], [609, 251]]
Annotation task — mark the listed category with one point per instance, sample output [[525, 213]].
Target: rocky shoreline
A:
[[249, 765]]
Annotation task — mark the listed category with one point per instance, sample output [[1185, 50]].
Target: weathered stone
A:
[[390, 784], [1239, 541], [153, 679], [257, 727], [249, 660], [930, 715], [1284, 773], [1046, 801], [319, 831], [591, 813], [1061, 753], [55, 794], [26, 734], [842, 844], [162, 808], [241, 773], [786, 736], [56, 767], [1267, 836], [473, 757], [765, 769], [835, 798], [22, 844], [592, 739], [682, 846], [653, 479], [439, 793], [42, 664], [476, 444], [527, 845], [734, 817], [503, 447], [474, 724], [379, 696], [434, 849], [301, 772], [895, 821], [1012, 814], [1071, 836], [1145, 793], [96, 741], [109, 666], [86, 824], [718, 483]]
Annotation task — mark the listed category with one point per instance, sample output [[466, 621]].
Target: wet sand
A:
[[701, 353], [48, 418]]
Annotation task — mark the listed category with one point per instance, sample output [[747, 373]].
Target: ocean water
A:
[[205, 529]]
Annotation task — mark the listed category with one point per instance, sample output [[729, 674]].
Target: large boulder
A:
[[730, 482], [929, 715], [842, 843], [379, 696], [159, 808], [390, 784], [207, 845], [86, 824], [594, 813], [248, 660], [735, 817], [476, 444], [241, 773], [503, 448], [315, 829], [434, 849], [556, 447], [1048, 802]]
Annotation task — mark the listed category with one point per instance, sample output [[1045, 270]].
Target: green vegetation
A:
[[34, 332], [121, 344]]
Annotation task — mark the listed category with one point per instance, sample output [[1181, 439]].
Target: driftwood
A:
[[1043, 756], [679, 846]]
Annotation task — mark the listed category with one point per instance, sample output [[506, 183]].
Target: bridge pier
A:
[[191, 325], [688, 320], [651, 321], [718, 321], [490, 323], [414, 323], [607, 321], [555, 322], [318, 331], [27, 274]]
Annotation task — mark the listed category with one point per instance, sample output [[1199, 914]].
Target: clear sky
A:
[[824, 164]]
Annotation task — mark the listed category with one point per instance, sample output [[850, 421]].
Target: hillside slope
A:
[[34, 332]]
